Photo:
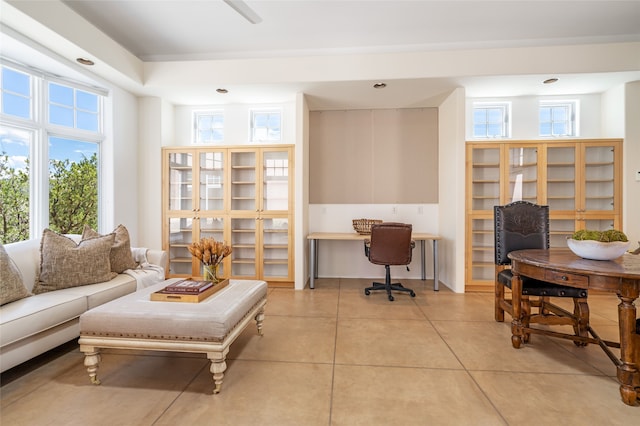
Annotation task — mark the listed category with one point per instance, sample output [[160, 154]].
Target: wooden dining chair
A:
[[523, 225]]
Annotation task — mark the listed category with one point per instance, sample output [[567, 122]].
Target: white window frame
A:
[[572, 107], [252, 127], [196, 133], [43, 130], [504, 107]]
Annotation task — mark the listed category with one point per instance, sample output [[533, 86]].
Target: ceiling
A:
[[170, 31]]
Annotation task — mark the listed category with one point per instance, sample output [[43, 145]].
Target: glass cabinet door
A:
[[485, 179], [211, 180], [180, 237], [561, 178], [275, 248], [212, 227], [243, 245], [180, 181], [243, 181], [275, 178], [482, 250], [523, 174], [599, 177]]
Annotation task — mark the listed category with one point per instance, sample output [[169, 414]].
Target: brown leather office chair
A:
[[523, 225], [390, 244]]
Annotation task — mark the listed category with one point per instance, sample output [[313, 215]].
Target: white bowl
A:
[[597, 250]]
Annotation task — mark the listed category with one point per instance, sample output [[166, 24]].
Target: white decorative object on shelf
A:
[[597, 250]]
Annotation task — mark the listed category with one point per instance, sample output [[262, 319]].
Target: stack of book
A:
[[188, 290]]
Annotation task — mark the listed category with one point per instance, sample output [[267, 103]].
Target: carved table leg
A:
[[91, 361], [516, 304], [218, 367], [259, 319], [628, 374]]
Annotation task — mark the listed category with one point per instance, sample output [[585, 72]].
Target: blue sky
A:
[[68, 107]]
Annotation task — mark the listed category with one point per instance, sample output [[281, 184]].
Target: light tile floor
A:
[[333, 356]]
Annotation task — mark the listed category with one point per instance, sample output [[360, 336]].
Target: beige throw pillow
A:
[[120, 257], [11, 286], [64, 264]]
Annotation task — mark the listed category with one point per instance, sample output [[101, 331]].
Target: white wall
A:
[[451, 191], [613, 112], [121, 171], [301, 188], [631, 164], [156, 128]]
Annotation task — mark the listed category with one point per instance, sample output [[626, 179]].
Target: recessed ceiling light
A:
[[222, 91], [85, 61], [380, 85], [550, 80]]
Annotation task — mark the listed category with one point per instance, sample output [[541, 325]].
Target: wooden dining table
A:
[[620, 276]]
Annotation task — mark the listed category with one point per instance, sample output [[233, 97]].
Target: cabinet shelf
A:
[[276, 262], [485, 165], [276, 246], [568, 164], [600, 181], [486, 181], [599, 164]]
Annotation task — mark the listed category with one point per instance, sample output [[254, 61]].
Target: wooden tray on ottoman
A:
[[167, 296]]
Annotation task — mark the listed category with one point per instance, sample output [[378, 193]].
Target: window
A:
[[265, 126], [17, 93], [558, 118], [209, 126], [15, 144], [49, 166], [73, 108], [491, 120]]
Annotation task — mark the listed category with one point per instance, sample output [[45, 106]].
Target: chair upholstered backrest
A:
[[390, 244], [518, 226]]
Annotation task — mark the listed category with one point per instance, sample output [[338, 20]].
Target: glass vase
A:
[[210, 273]]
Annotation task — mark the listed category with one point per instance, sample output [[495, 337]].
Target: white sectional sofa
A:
[[38, 323]]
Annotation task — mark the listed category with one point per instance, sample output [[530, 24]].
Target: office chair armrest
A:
[[367, 245]]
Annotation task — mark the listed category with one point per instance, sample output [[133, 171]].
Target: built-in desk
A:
[[315, 237]]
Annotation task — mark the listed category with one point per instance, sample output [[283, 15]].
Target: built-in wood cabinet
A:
[[579, 179], [241, 195]]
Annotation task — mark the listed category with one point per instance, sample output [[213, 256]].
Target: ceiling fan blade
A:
[[244, 10]]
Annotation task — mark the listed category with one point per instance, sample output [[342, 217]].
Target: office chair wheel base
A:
[[391, 299], [367, 292], [413, 294]]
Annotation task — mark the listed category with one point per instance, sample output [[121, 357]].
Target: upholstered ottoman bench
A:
[[210, 326]]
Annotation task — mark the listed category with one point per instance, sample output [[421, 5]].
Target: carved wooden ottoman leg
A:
[[259, 320], [91, 361], [218, 367]]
